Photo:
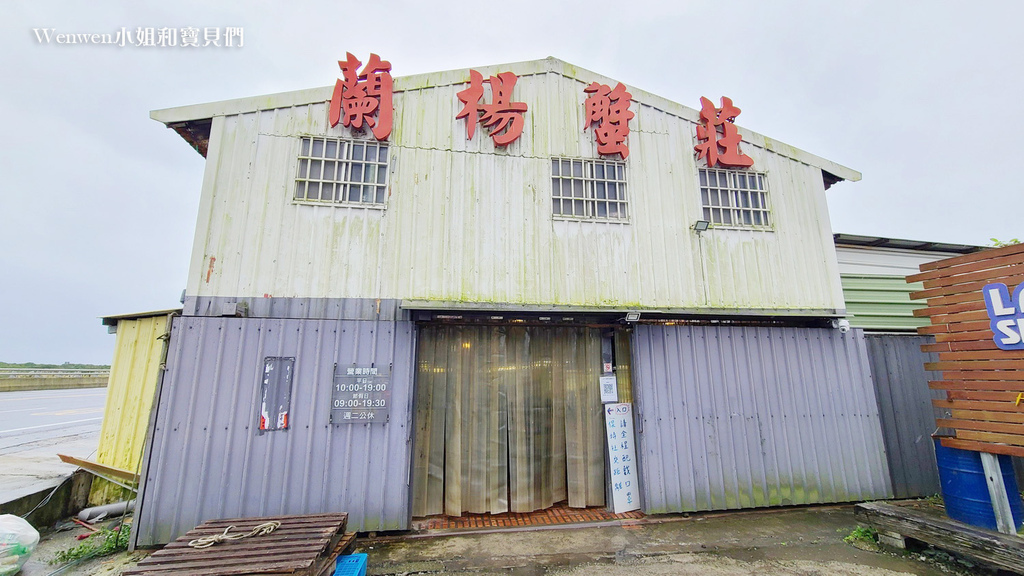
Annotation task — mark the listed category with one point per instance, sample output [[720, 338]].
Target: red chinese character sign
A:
[[363, 97], [502, 117], [607, 110], [720, 140]]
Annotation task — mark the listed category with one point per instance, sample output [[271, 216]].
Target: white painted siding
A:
[[885, 261], [467, 223]]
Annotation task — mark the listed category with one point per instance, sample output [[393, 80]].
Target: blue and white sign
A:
[[1006, 314], [618, 419]]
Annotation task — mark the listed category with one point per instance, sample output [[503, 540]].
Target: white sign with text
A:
[[618, 419]]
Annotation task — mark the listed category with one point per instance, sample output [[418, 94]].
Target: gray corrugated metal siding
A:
[[206, 461], [904, 402], [742, 417]]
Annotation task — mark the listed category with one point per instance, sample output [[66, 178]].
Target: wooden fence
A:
[[983, 383]]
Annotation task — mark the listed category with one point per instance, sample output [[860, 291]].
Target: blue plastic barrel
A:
[[965, 491]]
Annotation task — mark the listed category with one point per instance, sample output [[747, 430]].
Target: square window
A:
[[734, 199], [335, 171], [588, 189]]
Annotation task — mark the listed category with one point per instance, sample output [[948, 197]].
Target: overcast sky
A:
[[98, 202]]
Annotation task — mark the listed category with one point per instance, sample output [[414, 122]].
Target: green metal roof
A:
[[876, 302]]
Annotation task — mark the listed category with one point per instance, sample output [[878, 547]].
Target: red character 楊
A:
[[720, 140], [364, 96], [608, 111], [503, 118]]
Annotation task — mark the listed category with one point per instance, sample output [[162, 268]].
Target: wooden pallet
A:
[[896, 523], [302, 546]]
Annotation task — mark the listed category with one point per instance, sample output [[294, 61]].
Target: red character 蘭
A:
[[363, 97]]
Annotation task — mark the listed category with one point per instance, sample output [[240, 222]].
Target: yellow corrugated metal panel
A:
[[467, 223], [134, 372]]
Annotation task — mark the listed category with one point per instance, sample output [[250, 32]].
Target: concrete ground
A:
[[786, 542], [799, 541]]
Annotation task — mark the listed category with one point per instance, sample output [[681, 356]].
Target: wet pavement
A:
[[789, 542]]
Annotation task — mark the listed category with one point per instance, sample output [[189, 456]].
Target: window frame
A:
[[590, 184], [736, 209], [341, 178]]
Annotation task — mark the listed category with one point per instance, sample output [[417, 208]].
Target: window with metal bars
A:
[[337, 171], [735, 198], [588, 189]]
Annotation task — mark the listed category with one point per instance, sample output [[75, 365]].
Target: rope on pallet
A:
[[261, 530]]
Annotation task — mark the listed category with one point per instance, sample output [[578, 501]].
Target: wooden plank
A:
[[969, 306], [983, 447], [1011, 439], [976, 385], [981, 426], [971, 287], [986, 395], [955, 299], [103, 469], [987, 275], [977, 336], [1009, 375], [996, 354], [960, 346], [982, 364], [986, 546], [946, 327], [286, 521], [937, 347], [959, 317], [933, 329], [988, 416], [975, 405], [987, 254], [963, 268]]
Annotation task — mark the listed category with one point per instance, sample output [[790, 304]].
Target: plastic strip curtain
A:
[[507, 418]]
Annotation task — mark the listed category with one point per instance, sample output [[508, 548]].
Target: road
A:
[[36, 426]]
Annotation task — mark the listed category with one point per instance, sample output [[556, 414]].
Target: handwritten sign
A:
[[361, 395], [618, 419]]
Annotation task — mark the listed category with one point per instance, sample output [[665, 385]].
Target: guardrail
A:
[[52, 372]]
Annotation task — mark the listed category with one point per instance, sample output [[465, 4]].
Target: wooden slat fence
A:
[[981, 381]]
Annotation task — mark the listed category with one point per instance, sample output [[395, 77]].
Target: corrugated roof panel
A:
[[742, 417]]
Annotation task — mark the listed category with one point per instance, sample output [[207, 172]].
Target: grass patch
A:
[[102, 543], [864, 534]]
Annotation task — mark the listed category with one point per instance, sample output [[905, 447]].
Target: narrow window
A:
[[276, 393]]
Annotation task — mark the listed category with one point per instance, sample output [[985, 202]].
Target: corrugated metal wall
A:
[[741, 417], [207, 461], [134, 371], [881, 302], [467, 223], [905, 406]]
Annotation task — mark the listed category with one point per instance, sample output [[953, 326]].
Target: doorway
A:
[[507, 419]]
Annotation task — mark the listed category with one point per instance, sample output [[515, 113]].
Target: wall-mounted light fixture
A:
[[701, 225], [632, 316]]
